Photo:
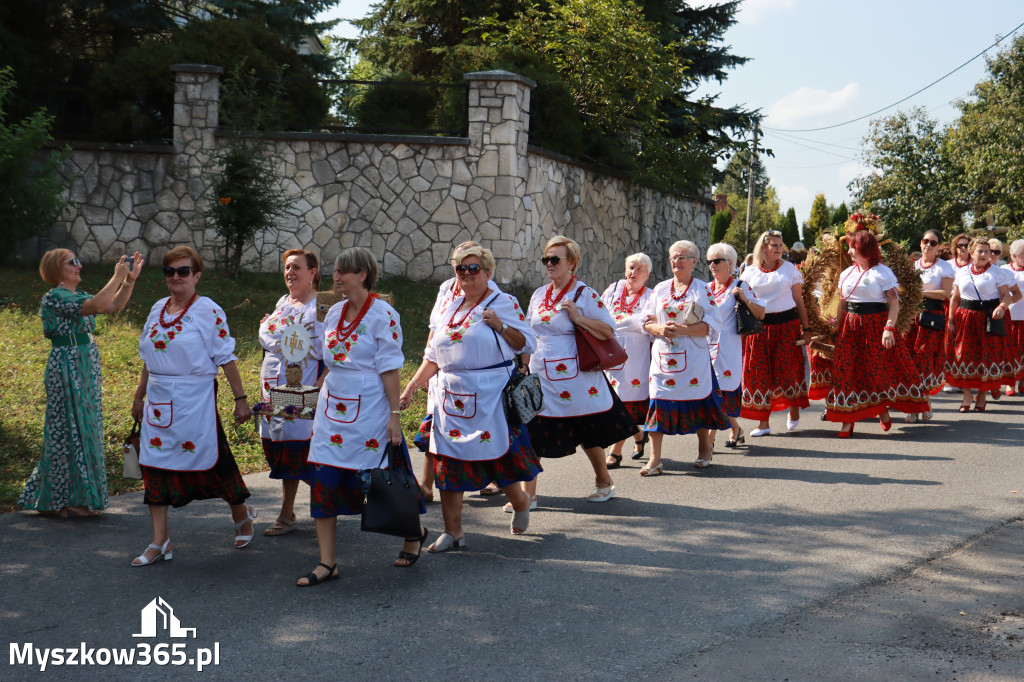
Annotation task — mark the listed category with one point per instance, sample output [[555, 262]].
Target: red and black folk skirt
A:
[[974, 358], [773, 367], [928, 347]]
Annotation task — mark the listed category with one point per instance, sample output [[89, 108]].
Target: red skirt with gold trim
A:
[[928, 349], [773, 371], [821, 375], [867, 377], [1015, 345], [975, 358]]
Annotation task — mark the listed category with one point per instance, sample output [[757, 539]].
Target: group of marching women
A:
[[688, 370]]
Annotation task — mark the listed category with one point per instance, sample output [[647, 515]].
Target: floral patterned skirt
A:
[[1015, 344], [339, 492], [638, 410], [821, 375], [867, 377], [422, 438], [975, 358], [773, 371], [559, 436], [178, 488], [928, 349], [680, 417], [520, 463], [287, 459], [732, 402]]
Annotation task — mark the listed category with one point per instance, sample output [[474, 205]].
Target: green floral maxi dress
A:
[[71, 471]]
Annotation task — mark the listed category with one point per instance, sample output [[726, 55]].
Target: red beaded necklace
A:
[[719, 295], [177, 319], [622, 307], [1013, 266], [923, 266], [452, 322], [342, 330], [685, 291], [979, 272], [772, 269], [548, 303]]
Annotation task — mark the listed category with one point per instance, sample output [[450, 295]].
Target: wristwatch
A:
[[503, 328]]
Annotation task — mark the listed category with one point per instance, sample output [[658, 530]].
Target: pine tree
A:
[[819, 220], [789, 228], [720, 225], [841, 214]]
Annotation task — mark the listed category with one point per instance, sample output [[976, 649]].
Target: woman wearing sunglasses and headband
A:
[[183, 450], [580, 408], [773, 365], [926, 337], [472, 353], [71, 477]]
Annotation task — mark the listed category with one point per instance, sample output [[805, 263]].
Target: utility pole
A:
[[750, 184]]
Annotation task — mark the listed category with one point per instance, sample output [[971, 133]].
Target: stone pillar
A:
[[499, 124]]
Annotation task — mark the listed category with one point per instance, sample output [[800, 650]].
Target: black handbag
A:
[[391, 502], [746, 322], [995, 327], [522, 397], [931, 320]]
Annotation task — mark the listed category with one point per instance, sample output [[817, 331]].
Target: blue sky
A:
[[816, 63]]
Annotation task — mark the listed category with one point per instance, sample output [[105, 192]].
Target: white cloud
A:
[[806, 104], [796, 196], [751, 11]]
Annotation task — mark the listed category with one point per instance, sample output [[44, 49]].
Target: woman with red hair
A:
[[872, 371]]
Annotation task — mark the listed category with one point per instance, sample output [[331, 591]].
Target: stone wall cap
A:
[[350, 137], [499, 75], [198, 68]]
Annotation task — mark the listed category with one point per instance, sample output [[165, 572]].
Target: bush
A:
[[31, 190]]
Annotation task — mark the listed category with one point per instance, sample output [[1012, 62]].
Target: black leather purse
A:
[[391, 502], [931, 320], [746, 322], [522, 398], [995, 327]]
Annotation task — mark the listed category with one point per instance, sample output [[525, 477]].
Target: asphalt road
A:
[[797, 557]]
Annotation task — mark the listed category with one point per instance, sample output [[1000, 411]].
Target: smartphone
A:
[[131, 262]]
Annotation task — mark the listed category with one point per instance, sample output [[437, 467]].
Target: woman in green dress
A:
[[71, 479]]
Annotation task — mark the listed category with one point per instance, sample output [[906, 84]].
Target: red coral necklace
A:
[[685, 291], [720, 294], [342, 330], [622, 307], [771, 269], [979, 272], [452, 322], [177, 319], [549, 304]]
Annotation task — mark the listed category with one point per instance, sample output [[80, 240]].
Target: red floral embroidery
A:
[[394, 335], [459, 405], [341, 407], [485, 436], [372, 444], [454, 433], [672, 362], [223, 333], [694, 381], [272, 327], [392, 323], [670, 382], [155, 442], [457, 336], [170, 335], [188, 446], [727, 373], [592, 391], [219, 321], [159, 345], [332, 343], [672, 314], [635, 382], [156, 413], [337, 439], [266, 385], [565, 395], [152, 334]]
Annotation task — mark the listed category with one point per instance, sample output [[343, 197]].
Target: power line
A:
[[819, 149], [791, 138], [913, 94]]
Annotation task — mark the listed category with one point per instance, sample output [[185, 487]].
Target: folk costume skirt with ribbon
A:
[[287, 459], [928, 349], [334, 491], [975, 358], [680, 417], [773, 367], [559, 436], [732, 402], [867, 377]]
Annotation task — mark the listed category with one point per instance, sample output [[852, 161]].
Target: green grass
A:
[[23, 353]]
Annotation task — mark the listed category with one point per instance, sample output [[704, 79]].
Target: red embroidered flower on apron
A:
[[670, 382], [565, 395], [336, 439], [160, 345], [459, 405], [485, 437], [155, 442], [592, 392], [340, 408], [635, 382], [672, 362], [156, 414], [188, 446], [560, 368], [694, 381], [727, 373], [455, 434], [372, 444]]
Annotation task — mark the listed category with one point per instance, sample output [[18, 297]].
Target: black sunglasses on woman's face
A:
[[716, 261], [472, 269], [551, 260], [183, 271], [929, 242]]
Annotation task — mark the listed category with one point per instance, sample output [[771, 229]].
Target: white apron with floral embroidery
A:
[[179, 423], [568, 392], [272, 373], [352, 412], [630, 378], [179, 429], [680, 368]]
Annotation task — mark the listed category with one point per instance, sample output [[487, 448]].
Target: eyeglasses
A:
[[551, 260], [73, 261], [183, 271], [472, 269], [716, 261], [996, 252], [773, 233], [929, 242], [962, 245]]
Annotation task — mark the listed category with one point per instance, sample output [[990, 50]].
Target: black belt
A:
[[866, 308], [971, 304], [506, 363], [780, 318], [933, 304]]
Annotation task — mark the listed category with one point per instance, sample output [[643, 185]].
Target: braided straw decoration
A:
[[822, 271]]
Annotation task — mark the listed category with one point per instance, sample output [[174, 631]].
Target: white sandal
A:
[[250, 515], [520, 522], [509, 510], [164, 554]]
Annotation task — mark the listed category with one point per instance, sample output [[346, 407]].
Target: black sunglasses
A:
[[962, 245], [716, 261], [552, 260], [74, 261], [929, 242], [472, 269], [996, 252], [183, 271]]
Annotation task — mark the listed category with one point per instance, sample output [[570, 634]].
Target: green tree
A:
[[31, 192], [764, 216], [720, 225], [819, 220], [790, 228], [736, 178], [840, 215], [915, 184], [989, 138]]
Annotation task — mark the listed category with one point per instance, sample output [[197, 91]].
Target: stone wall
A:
[[407, 198]]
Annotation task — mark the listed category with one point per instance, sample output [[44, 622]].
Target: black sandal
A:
[[313, 579], [409, 556], [616, 461], [638, 445]]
